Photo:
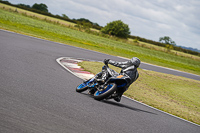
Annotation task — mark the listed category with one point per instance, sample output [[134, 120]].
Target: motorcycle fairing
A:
[[120, 80]]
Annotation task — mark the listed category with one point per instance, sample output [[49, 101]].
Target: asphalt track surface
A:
[[38, 96]]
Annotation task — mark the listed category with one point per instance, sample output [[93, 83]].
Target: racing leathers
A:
[[129, 68]]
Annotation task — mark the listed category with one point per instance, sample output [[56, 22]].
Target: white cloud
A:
[[149, 19]]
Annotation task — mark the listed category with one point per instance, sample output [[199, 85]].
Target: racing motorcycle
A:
[[104, 84]]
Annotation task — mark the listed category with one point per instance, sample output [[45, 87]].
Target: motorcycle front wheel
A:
[[107, 91], [82, 87]]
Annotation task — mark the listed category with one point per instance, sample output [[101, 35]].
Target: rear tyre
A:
[[109, 89]]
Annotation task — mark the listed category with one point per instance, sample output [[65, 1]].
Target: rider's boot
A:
[[117, 97]]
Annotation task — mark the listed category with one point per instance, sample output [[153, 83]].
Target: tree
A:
[[84, 20], [117, 28], [167, 40], [6, 2], [41, 7], [23, 5], [65, 16]]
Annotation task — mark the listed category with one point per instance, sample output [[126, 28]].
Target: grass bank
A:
[[55, 31], [173, 94]]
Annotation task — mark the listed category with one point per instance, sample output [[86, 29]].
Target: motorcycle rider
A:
[[129, 69]]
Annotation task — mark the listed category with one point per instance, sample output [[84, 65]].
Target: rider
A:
[[129, 68]]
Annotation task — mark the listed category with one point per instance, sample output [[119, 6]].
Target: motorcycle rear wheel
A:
[[109, 89]]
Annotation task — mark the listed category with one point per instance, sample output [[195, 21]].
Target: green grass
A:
[[173, 94], [56, 32], [163, 49], [36, 15]]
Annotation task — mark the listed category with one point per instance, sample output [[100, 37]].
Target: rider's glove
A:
[[106, 61]]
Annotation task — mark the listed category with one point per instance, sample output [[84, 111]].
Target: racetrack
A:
[[38, 95]]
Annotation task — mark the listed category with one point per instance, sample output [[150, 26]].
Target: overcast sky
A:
[[151, 19]]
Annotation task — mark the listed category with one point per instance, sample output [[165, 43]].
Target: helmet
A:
[[135, 61]]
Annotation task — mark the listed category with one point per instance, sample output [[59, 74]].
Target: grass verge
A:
[[173, 94], [32, 26]]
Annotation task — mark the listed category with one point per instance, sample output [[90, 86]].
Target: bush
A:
[[117, 28]]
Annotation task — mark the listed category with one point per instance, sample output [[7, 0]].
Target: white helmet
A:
[[135, 61]]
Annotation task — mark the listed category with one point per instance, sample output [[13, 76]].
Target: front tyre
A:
[[82, 87], [109, 89]]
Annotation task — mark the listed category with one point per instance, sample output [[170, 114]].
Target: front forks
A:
[[96, 85]]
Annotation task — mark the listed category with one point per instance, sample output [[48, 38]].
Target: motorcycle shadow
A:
[[126, 106], [121, 105]]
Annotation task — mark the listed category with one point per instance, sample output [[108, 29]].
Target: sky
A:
[[150, 19]]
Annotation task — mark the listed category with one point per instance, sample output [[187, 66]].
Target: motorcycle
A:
[[105, 83]]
